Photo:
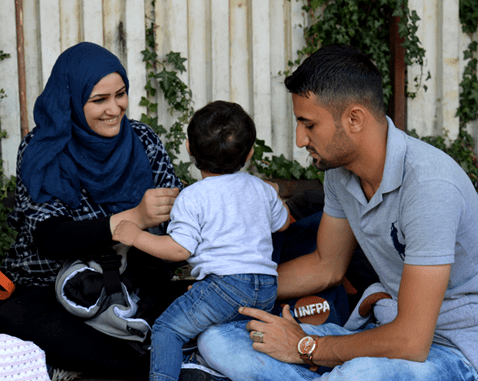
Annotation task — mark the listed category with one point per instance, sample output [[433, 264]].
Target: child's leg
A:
[[205, 304], [249, 290], [166, 353]]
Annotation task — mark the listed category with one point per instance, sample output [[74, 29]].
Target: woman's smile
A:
[[107, 105]]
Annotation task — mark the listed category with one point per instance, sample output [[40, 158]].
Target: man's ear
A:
[[356, 117], [249, 155], [187, 146]]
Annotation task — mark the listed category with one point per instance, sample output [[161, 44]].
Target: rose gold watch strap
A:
[[308, 358]]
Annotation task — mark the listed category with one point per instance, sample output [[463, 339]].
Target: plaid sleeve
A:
[[163, 171]]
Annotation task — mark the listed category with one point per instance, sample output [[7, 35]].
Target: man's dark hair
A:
[[339, 75], [221, 135]]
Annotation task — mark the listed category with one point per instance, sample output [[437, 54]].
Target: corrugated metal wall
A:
[[441, 35], [235, 50]]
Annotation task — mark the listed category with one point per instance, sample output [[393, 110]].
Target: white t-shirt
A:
[[226, 223]]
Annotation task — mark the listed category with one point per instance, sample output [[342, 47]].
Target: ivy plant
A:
[[7, 234], [163, 74], [462, 149], [280, 167], [2, 57], [468, 103], [364, 24]]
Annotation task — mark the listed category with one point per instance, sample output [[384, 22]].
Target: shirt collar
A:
[[393, 170], [395, 159]]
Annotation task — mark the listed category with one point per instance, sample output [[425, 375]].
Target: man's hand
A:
[[126, 232], [281, 334]]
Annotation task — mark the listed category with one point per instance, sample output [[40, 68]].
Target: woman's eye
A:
[[99, 100], [120, 95], [309, 126]]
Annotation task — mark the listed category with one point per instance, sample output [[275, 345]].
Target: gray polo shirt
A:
[[425, 212]]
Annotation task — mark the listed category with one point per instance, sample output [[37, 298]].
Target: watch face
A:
[[306, 345]]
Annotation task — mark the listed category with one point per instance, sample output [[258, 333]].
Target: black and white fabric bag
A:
[[99, 291]]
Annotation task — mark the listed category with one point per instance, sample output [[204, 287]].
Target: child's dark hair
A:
[[221, 135]]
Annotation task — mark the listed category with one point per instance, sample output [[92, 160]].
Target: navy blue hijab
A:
[[66, 155]]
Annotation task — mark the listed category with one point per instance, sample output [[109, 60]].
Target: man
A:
[[414, 213]]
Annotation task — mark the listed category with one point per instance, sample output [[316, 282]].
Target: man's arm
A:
[[324, 267], [408, 337]]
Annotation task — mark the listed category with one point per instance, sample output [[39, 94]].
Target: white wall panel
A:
[[135, 43], [114, 33], [240, 61], [33, 62], [220, 79], [172, 35], [424, 106], [261, 68], [281, 128], [70, 31], [50, 35], [449, 25], [235, 50], [9, 106], [298, 21], [198, 52], [92, 17], [433, 111]]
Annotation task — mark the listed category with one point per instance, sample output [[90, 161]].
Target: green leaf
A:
[[144, 102], [177, 61]]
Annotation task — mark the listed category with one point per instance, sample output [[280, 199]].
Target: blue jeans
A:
[[228, 349], [213, 300]]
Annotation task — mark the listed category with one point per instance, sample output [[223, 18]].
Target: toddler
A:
[[222, 225]]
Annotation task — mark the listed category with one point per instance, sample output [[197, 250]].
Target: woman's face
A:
[[106, 105]]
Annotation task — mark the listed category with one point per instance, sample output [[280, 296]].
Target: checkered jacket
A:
[[24, 265]]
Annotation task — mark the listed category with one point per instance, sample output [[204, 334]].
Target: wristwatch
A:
[[306, 347]]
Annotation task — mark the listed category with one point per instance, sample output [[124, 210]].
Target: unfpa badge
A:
[[312, 310]]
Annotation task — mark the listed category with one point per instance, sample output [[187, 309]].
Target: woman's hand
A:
[[152, 211], [155, 207], [281, 335], [126, 232]]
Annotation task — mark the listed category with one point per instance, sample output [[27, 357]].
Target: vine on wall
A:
[[365, 25], [7, 185], [468, 106], [2, 57], [462, 149], [279, 167], [163, 74]]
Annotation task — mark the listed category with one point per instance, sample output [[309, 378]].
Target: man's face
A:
[[317, 131]]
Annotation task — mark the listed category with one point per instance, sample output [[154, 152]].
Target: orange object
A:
[[312, 310], [7, 284], [349, 289]]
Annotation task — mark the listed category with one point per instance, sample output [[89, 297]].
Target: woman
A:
[[82, 170]]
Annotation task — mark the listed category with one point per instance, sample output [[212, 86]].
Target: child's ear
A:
[[249, 155], [187, 146]]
